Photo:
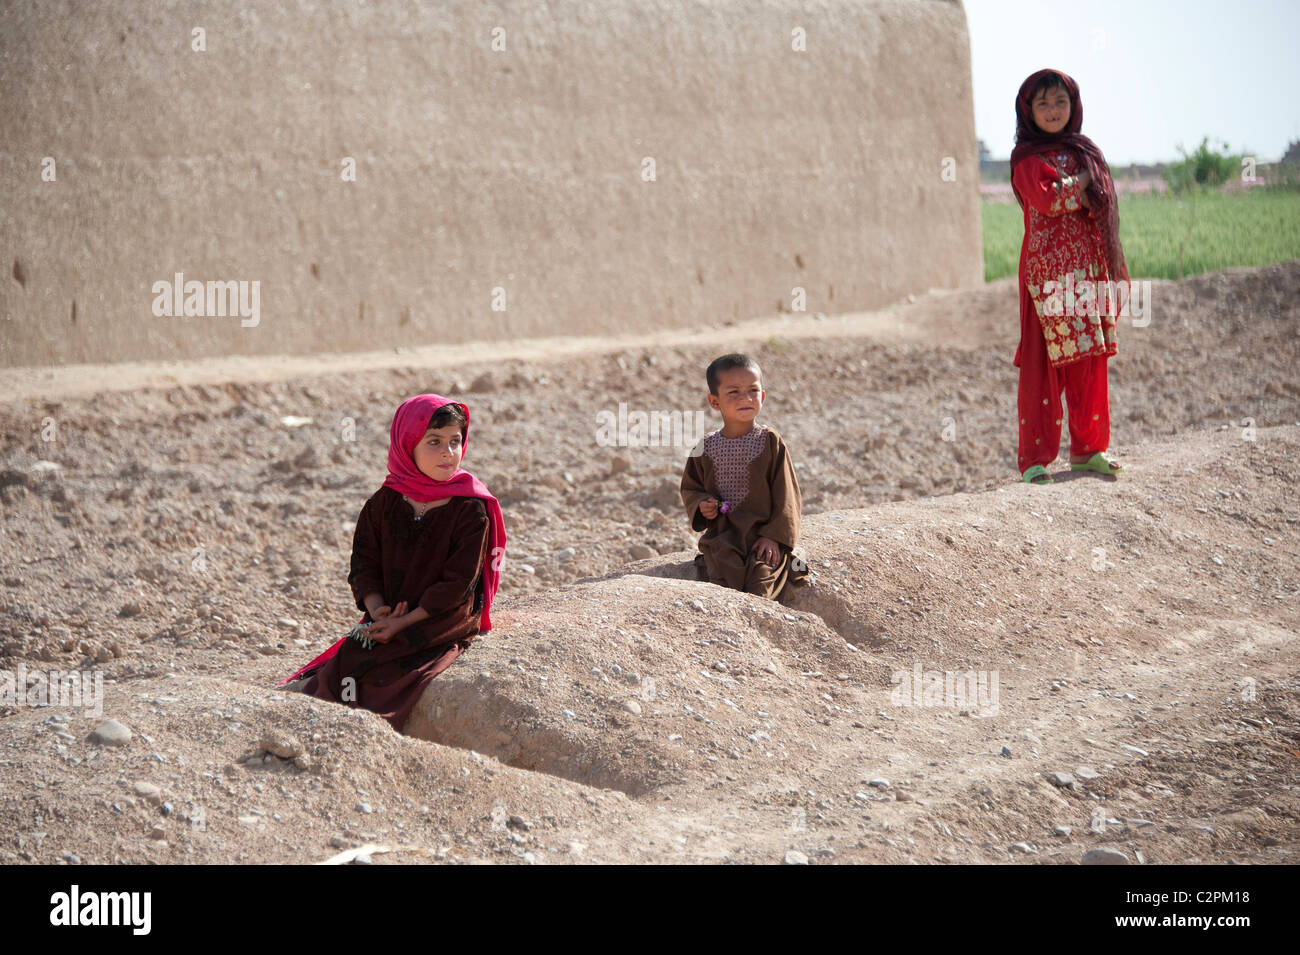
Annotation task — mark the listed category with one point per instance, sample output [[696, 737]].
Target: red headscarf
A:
[[1032, 141], [409, 425]]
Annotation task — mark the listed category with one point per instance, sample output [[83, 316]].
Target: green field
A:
[[1216, 231]]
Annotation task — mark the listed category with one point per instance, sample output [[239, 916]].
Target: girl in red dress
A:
[[1071, 263]]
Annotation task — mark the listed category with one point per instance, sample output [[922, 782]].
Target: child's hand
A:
[[1083, 180], [388, 626], [709, 508], [768, 551]]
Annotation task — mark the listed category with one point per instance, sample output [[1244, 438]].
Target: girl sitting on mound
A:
[[426, 558]]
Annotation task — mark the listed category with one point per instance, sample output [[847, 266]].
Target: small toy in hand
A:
[[358, 633], [724, 507]]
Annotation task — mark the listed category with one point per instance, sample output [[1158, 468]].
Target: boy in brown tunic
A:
[[739, 488]]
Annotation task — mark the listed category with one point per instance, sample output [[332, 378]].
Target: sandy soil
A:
[[190, 545]]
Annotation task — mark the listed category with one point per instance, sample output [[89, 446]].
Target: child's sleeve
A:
[[460, 572], [367, 572], [1036, 180], [695, 489], [783, 525]]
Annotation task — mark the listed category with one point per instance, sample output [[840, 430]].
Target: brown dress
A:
[[434, 562], [755, 474]]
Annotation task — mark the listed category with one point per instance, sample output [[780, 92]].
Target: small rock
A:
[[71, 858], [565, 555], [1134, 749], [519, 823], [149, 793], [904, 796], [1006, 751], [288, 623], [1087, 773], [1063, 830], [795, 857], [1024, 847], [641, 551], [1063, 780], [364, 807], [109, 733], [8, 477], [879, 783], [131, 609], [280, 744], [697, 605], [632, 706], [1104, 857]]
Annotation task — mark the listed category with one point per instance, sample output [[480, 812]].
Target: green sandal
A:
[[1037, 475], [1099, 463]]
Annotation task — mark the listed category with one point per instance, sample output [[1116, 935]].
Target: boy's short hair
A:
[[446, 416], [726, 363]]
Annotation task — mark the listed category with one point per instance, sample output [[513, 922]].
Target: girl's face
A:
[[439, 451], [1051, 109]]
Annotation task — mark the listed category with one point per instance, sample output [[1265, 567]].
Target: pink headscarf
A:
[[409, 425]]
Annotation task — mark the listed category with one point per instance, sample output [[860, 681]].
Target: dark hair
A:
[[1049, 81], [448, 415], [727, 363]]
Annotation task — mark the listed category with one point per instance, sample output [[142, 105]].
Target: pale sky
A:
[[1151, 73]]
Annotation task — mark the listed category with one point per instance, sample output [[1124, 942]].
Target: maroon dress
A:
[[435, 562]]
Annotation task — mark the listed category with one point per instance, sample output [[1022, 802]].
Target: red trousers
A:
[[1039, 401]]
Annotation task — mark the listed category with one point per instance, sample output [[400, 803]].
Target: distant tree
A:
[[1292, 154], [1203, 168], [985, 155]]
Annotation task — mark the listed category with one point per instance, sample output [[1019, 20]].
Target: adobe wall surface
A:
[[520, 169]]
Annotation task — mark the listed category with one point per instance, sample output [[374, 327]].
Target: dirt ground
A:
[[183, 531]]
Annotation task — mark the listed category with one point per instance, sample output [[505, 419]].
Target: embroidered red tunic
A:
[[1062, 262]]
